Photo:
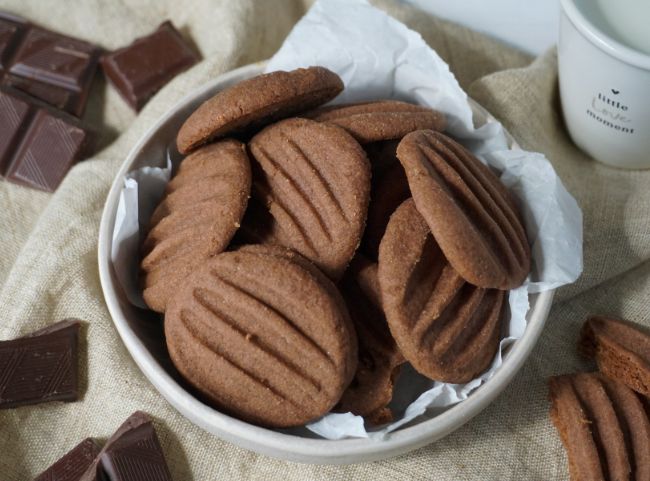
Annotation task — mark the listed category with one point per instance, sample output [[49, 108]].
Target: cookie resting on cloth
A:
[[603, 425], [621, 350]]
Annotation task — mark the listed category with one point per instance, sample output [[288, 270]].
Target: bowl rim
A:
[[266, 441]]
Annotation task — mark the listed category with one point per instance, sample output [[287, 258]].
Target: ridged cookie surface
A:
[[447, 328], [621, 350], [262, 338], [257, 101], [471, 214], [371, 388], [380, 120], [311, 192], [202, 208], [603, 426]]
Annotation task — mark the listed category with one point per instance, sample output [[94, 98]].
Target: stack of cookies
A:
[[301, 254]]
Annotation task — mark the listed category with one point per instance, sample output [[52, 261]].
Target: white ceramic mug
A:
[[605, 84]]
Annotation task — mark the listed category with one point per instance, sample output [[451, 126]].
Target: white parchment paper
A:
[[378, 57]]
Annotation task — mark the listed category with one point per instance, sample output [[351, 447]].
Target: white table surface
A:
[[531, 25]]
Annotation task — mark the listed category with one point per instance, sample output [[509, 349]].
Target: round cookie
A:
[[470, 213], [447, 328], [202, 209], [257, 101], [261, 337], [293, 256], [371, 388], [311, 191], [381, 120]]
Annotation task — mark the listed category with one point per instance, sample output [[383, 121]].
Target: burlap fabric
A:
[[48, 266]]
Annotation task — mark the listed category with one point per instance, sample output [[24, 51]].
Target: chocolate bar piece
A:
[[136, 456], [11, 32], [73, 464], [133, 453], [54, 68], [40, 367], [141, 69], [37, 145]]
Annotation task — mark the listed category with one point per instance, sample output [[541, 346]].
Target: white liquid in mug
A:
[[627, 21]]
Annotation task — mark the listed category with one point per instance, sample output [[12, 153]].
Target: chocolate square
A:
[[73, 464], [139, 70], [40, 367], [10, 34], [15, 113], [50, 146], [135, 456], [54, 68]]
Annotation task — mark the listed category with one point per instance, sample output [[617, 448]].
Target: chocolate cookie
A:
[[621, 350], [262, 338], [603, 426], [311, 187], [293, 256], [379, 357], [201, 211], [380, 120], [471, 214], [257, 101], [446, 327], [382, 156], [388, 191]]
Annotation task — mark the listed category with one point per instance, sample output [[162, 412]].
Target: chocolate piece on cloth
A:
[[139, 70], [621, 350], [54, 68], [132, 453], [38, 145], [41, 366], [73, 464], [12, 29]]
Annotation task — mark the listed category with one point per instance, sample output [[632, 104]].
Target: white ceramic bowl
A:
[[144, 340]]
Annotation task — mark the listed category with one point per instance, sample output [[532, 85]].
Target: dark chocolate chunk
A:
[[49, 148], [135, 456], [141, 69], [54, 68], [133, 453], [14, 117], [37, 145], [11, 32], [73, 464], [40, 367]]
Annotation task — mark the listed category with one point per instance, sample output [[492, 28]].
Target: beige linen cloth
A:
[[48, 260]]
